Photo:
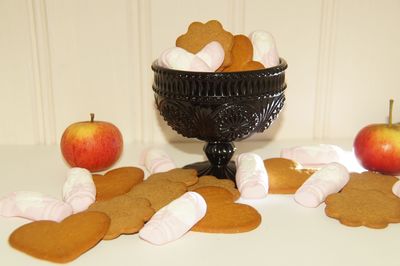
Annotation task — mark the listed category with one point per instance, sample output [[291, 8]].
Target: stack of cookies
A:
[[177, 201]]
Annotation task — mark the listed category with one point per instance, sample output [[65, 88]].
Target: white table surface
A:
[[289, 234]]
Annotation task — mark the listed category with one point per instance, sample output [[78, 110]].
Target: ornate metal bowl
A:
[[219, 108]]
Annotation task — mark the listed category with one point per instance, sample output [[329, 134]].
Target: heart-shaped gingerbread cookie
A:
[[117, 182], [61, 242], [209, 180], [242, 56], [285, 176], [223, 215]]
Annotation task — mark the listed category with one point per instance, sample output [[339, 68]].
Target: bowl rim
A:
[[282, 66]]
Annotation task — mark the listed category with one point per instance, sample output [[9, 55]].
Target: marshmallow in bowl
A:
[[213, 54], [264, 48], [208, 59], [180, 59], [34, 206]]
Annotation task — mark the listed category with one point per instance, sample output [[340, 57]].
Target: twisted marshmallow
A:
[[251, 176], [34, 206], [175, 219], [313, 155], [264, 48], [396, 188], [79, 189], [156, 161], [206, 60], [328, 180]]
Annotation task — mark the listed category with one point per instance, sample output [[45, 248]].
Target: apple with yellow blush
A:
[[94, 145], [377, 146]]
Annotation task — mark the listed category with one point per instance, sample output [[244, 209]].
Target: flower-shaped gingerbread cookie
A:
[[199, 35], [223, 215], [371, 180], [357, 207], [127, 214], [159, 192]]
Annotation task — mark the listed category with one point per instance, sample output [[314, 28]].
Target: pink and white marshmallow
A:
[[264, 48], [175, 219], [213, 54], [156, 161], [34, 206], [208, 59], [313, 156], [328, 180], [251, 176], [396, 188], [79, 189]]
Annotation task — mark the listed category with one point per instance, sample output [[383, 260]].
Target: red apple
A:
[[94, 145], [377, 147]]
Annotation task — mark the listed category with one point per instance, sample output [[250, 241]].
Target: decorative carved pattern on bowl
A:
[[219, 108]]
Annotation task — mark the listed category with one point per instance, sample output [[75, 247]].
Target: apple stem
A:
[[390, 112], [91, 117]]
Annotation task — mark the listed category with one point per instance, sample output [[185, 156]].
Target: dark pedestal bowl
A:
[[219, 108]]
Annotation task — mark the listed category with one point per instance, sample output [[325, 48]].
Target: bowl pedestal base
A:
[[219, 162]]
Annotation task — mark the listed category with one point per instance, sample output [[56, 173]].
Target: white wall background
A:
[[62, 59]]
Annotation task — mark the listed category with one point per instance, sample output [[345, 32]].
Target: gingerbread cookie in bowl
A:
[[199, 35], [208, 47], [242, 56]]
